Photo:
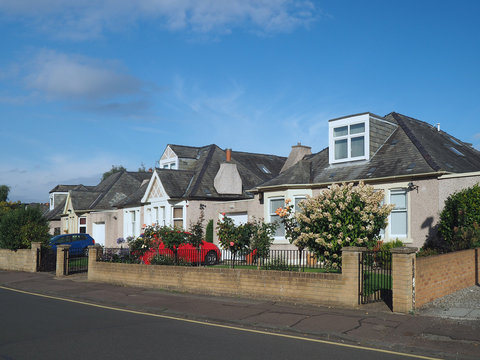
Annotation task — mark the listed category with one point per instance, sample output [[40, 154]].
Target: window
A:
[[398, 217], [296, 201], [133, 222], [178, 217], [276, 203], [148, 217], [349, 141], [82, 225], [162, 214]]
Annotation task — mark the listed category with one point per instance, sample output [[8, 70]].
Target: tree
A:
[[209, 231], [113, 170], [4, 190], [142, 168], [344, 215], [460, 220], [20, 226]]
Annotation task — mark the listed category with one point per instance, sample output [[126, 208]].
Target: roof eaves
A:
[[260, 189]]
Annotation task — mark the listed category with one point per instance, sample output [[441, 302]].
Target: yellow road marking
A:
[[221, 326]]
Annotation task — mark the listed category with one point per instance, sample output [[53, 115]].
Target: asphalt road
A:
[[33, 327]]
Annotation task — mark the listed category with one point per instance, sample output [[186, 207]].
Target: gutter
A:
[[456, 175], [438, 174]]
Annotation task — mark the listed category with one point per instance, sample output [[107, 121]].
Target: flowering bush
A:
[[254, 236], [344, 215], [235, 238], [288, 219]]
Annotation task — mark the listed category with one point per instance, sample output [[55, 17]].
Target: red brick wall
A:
[[440, 275]]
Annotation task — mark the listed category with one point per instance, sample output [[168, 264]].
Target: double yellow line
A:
[[221, 326]]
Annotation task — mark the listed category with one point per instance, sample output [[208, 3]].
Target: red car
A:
[[209, 253]]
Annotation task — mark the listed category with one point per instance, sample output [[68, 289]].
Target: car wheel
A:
[[211, 258]]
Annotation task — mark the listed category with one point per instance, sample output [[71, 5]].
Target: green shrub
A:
[[278, 264], [460, 218], [209, 231], [423, 252], [21, 226], [168, 260]]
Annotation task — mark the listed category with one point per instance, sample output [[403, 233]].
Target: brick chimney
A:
[[228, 153], [298, 152]]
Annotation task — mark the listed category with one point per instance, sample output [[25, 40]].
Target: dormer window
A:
[[348, 139]]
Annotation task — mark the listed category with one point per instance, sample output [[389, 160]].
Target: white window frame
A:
[[295, 198], [271, 213], [359, 119], [177, 219], [80, 226], [392, 236], [131, 226]]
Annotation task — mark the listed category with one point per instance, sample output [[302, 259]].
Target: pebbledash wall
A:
[[312, 288], [440, 275], [20, 260]]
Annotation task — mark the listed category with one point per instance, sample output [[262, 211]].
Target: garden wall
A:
[[310, 288], [440, 275], [19, 260]]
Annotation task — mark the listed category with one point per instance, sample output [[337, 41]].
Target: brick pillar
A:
[[94, 252], [350, 274], [61, 260], [403, 279], [35, 256]]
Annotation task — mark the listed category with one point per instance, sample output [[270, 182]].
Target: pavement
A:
[[421, 333], [461, 305]]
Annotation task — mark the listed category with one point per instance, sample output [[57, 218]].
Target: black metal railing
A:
[[375, 277], [286, 260], [76, 261]]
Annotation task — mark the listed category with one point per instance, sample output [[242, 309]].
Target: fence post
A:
[[403, 279], [35, 255], [351, 274], [62, 260]]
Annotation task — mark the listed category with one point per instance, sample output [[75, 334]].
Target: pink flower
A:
[[232, 243], [223, 214]]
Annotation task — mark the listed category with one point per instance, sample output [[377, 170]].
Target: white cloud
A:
[[56, 75], [31, 183], [82, 19]]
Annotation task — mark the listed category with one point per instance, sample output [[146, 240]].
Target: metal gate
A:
[[46, 259], [375, 277], [75, 261]]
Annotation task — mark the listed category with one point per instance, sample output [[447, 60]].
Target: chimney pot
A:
[[229, 154]]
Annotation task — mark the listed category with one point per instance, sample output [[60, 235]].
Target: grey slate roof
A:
[[197, 183], [55, 213], [67, 188], [107, 195], [414, 148], [183, 151]]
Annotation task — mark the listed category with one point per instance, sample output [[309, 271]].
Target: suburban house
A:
[[189, 179], [93, 209], [58, 195], [416, 164]]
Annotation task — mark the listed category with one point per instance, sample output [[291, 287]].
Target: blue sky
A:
[[86, 84]]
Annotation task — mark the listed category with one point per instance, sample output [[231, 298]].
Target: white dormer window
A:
[[349, 139]]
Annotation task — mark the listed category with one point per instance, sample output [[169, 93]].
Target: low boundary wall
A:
[[20, 260], [309, 288], [440, 275]]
